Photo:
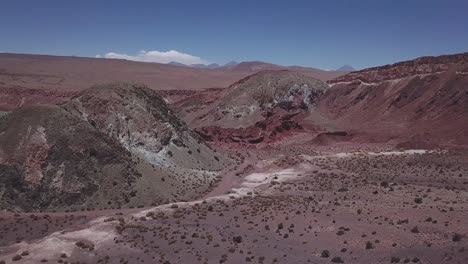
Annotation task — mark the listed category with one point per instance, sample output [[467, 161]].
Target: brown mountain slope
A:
[[140, 120], [44, 166], [14, 97], [24, 78], [255, 109], [257, 66], [421, 100], [111, 146]]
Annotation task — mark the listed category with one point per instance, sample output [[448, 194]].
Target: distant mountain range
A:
[[205, 66], [65, 74], [258, 64], [346, 67]]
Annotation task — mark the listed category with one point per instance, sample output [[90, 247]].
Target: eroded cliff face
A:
[[411, 68], [141, 121], [261, 108], [247, 101], [423, 99], [111, 146]]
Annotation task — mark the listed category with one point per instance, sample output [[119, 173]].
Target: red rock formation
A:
[[424, 99]]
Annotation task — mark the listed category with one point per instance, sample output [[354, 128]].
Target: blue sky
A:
[[324, 34]]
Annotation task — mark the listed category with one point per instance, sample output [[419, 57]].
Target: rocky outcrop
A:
[[140, 120], [111, 146], [261, 108], [51, 159], [269, 89]]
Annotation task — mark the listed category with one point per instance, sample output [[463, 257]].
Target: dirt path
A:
[[233, 178]]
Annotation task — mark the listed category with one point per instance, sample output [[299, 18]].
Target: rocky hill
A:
[[422, 100], [110, 146], [51, 159], [256, 108], [140, 120]]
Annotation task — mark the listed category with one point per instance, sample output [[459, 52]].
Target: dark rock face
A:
[[139, 119], [108, 147], [133, 114], [47, 167]]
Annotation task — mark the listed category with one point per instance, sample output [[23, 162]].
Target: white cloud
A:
[[157, 56]]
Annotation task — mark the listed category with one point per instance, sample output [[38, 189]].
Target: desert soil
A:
[[323, 206]]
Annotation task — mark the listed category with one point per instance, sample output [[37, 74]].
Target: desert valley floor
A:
[[279, 167], [305, 206]]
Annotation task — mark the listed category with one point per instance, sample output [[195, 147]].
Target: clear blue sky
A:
[[325, 34]]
